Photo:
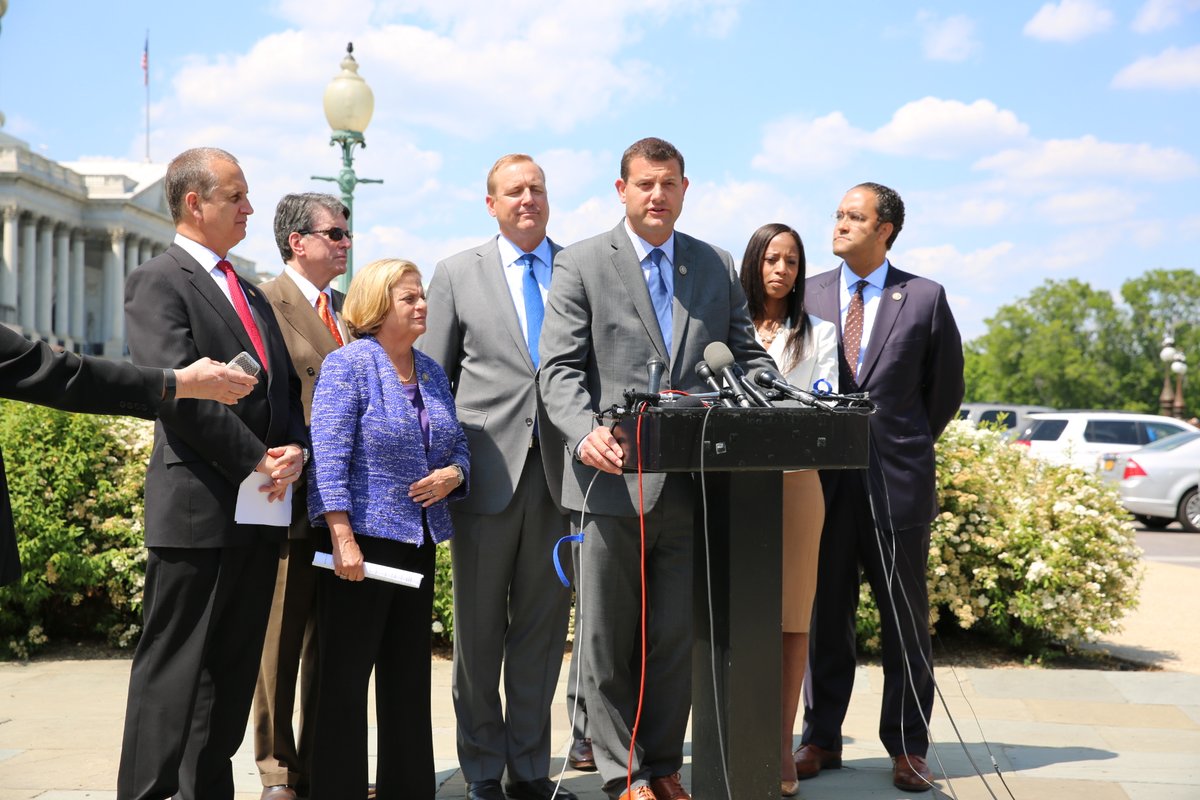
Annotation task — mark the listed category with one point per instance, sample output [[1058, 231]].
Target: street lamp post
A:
[[349, 104], [1166, 398], [1179, 367]]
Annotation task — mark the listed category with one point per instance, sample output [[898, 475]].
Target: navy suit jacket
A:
[[913, 371]]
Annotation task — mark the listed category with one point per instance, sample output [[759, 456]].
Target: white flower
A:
[[437, 626], [1036, 570]]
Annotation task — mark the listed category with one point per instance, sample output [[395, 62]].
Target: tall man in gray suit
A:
[[312, 232], [638, 292], [897, 341], [485, 316]]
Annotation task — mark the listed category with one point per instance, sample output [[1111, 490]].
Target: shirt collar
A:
[[204, 257], [509, 252], [874, 279], [307, 287], [643, 248]]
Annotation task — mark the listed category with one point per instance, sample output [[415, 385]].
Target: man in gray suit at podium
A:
[[640, 291], [486, 306]]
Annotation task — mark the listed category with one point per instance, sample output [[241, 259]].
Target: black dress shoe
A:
[[581, 757], [540, 789], [484, 790]]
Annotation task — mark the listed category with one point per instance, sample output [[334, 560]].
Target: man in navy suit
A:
[[897, 341], [209, 578]]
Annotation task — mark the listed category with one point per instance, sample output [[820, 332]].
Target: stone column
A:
[[78, 297], [9, 271], [145, 251], [131, 262], [45, 279], [62, 286], [114, 295], [26, 295]]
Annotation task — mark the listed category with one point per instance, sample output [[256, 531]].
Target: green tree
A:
[[1164, 301], [1066, 345]]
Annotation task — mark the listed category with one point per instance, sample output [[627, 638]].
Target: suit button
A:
[[311, 371], [528, 422]]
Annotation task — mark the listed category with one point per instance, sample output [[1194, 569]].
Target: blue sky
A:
[[1028, 140]]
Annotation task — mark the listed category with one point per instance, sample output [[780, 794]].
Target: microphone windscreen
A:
[[764, 377], [718, 356]]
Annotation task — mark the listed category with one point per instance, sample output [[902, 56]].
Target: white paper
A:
[[378, 572], [253, 508]]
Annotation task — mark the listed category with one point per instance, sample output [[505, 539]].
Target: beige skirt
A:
[[803, 516]]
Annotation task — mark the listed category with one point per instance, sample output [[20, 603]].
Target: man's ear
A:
[[296, 242], [191, 201]]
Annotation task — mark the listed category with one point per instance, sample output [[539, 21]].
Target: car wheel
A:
[[1153, 522], [1189, 511]]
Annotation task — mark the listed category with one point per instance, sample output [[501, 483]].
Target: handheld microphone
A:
[[655, 368], [706, 374], [770, 379], [721, 360]]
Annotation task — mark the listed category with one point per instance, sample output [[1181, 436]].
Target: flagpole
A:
[[146, 81]]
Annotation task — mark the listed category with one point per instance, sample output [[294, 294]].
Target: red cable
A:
[[637, 719]]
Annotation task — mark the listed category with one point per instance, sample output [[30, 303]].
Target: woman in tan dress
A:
[[805, 348]]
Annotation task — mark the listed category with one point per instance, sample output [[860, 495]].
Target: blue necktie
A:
[[535, 310], [660, 297]]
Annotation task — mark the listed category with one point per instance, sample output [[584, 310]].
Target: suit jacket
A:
[[600, 330], [368, 446], [308, 342], [913, 371], [203, 450], [474, 333], [34, 373]]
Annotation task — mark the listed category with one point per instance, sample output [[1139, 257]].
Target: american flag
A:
[[146, 62]]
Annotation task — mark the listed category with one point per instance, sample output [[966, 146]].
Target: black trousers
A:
[[192, 680], [894, 563], [372, 625]]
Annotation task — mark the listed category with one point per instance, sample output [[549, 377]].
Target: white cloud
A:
[[1068, 21], [795, 145], [1088, 206], [1157, 15], [936, 128], [1079, 248], [571, 173], [1087, 157], [981, 267], [1173, 68], [947, 39]]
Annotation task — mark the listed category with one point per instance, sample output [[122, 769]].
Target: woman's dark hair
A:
[[756, 294]]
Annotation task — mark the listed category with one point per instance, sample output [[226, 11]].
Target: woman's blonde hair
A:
[[370, 295]]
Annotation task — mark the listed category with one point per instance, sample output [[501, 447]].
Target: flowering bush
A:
[[75, 483], [1029, 552]]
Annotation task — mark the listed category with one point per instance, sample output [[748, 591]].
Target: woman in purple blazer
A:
[[388, 455]]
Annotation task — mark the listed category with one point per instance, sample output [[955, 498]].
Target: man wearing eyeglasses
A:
[[510, 611], [899, 343], [312, 233]]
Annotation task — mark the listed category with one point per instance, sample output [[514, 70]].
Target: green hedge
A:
[[1029, 553]]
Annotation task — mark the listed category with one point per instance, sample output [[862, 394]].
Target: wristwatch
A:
[[459, 471], [168, 392]]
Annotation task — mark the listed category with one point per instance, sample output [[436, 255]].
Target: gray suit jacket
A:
[[600, 330], [474, 333]]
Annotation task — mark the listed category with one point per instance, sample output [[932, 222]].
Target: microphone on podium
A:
[[720, 360]]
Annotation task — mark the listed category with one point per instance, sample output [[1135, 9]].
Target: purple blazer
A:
[[368, 446]]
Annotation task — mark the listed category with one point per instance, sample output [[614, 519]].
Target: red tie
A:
[[327, 317], [243, 310]]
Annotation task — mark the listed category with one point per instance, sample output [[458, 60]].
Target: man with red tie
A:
[[209, 578], [312, 232]]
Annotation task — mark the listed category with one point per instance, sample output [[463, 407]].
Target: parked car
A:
[[1010, 417], [1079, 438], [1158, 482]]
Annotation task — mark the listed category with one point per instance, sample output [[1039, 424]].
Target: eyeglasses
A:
[[855, 217], [335, 234]]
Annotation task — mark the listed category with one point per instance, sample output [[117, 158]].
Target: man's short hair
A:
[[888, 207], [652, 149], [191, 171], [295, 213], [504, 161]]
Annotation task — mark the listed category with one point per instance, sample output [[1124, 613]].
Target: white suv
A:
[[1079, 438]]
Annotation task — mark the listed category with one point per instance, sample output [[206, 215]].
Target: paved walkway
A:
[[1061, 734]]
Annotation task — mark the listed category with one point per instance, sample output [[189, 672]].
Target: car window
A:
[[963, 413], [1173, 441], [1112, 431], [993, 415], [1045, 430], [1159, 430]]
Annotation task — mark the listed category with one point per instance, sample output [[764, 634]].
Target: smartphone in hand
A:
[[244, 362]]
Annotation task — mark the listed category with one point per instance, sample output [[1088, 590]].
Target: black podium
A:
[[739, 453]]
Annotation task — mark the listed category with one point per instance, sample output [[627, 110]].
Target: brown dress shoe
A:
[[810, 760], [639, 792], [580, 756], [668, 787], [279, 792], [911, 774], [789, 788]]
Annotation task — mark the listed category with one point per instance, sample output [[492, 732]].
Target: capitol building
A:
[[70, 233]]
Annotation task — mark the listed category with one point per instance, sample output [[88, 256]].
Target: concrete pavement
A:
[[1063, 734]]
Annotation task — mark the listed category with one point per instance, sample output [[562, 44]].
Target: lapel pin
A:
[[897, 296], [682, 270], [424, 377]]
